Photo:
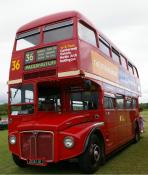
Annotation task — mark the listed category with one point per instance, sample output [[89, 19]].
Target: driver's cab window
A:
[[82, 99], [49, 98]]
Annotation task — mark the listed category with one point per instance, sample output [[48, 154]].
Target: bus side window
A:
[[130, 68], [135, 72], [134, 103], [104, 46], [87, 34], [123, 61], [84, 100], [120, 101], [105, 102], [108, 103], [115, 56], [128, 103]]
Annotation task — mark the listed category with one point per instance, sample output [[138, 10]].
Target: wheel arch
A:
[[98, 133]]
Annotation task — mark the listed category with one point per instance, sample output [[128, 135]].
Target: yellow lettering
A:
[[15, 65]]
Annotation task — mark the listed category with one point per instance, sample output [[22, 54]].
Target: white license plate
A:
[[36, 162]]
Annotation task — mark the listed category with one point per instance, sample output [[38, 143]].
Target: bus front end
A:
[[52, 107]]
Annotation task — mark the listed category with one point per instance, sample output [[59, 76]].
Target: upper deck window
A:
[[58, 31], [28, 39], [135, 72], [123, 61], [104, 46], [130, 68], [86, 34], [115, 56]]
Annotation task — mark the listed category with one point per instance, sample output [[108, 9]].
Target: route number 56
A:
[[15, 65]]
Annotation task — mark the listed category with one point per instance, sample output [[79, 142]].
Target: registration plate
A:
[[37, 162]]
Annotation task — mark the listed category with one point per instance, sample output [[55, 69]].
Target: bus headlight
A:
[[12, 139], [68, 142]]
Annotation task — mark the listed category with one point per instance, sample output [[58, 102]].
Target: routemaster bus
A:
[[72, 94]]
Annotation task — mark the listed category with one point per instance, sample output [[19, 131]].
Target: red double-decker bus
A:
[[72, 94]]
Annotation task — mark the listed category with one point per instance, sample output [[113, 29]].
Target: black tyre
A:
[[19, 162], [137, 134], [91, 159]]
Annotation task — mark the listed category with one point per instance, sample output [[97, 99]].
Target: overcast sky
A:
[[124, 22]]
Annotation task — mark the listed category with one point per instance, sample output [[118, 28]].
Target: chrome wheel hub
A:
[[96, 153]]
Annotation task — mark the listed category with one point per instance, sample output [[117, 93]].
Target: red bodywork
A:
[[115, 126]]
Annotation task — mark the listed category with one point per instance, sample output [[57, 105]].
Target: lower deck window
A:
[[128, 103], [134, 103], [109, 103], [120, 101]]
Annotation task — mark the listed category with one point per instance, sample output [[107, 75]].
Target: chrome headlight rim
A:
[[69, 142], [12, 139]]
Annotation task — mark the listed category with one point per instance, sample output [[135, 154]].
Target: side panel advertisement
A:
[[103, 67], [112, 72]]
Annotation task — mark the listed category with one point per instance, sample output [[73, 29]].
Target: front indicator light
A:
[[12, 139], [68, 142]]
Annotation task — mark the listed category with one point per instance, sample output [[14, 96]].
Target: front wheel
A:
[[90, 160], [19, 162]]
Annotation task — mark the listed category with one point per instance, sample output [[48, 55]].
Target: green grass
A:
[[3, 116], [132, 160]]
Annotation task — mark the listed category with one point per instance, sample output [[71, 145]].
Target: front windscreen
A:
[[58, 31], [28, 39], [22, 99]]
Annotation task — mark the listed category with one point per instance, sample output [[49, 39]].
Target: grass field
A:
[[132, 160], [3, 116]]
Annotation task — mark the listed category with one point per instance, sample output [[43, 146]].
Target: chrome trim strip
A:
[[99, 124]]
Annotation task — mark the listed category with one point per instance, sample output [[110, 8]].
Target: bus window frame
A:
[[135, 72], [113, 100], [113, 50], [130, 66], [125, 60], [126, 100], [22, 104], [84, 110], [136, 106], [123, 101], [106, 44]]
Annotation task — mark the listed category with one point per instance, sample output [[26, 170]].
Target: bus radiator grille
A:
[[37, 145]]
